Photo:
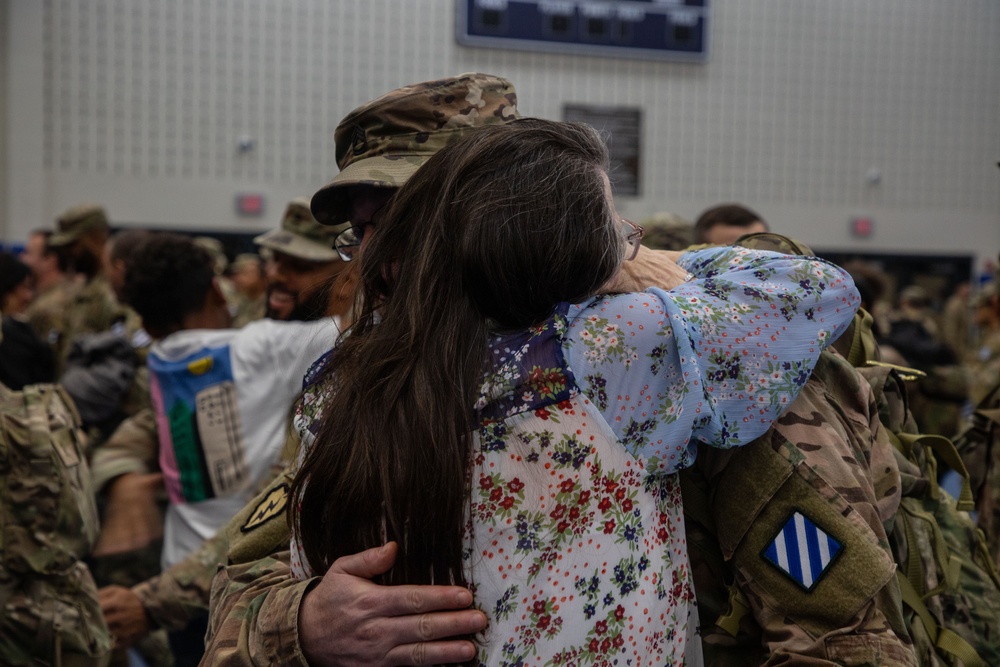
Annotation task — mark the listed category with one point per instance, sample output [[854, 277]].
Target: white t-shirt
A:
[[222, 400]]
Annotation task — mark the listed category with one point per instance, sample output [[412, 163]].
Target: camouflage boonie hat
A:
[[73, 223], [384, 142], [300, 235]]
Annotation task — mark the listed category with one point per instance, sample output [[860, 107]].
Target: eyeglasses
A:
[[633, 238], [348, 241], [347, 244]]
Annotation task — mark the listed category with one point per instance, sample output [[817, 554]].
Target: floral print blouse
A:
[[575, 538]]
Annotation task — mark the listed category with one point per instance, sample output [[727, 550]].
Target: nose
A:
[[273, 270]]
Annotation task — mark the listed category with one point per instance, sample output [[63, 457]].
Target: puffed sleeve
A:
[[715, 360]]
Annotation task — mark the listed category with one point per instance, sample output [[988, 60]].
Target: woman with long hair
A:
[[514, 431]]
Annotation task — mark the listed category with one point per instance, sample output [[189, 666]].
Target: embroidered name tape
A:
[[802, 550]]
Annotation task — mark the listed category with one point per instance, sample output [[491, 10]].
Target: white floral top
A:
[[575, 539]]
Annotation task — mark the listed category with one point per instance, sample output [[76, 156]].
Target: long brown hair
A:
[[490, 235]]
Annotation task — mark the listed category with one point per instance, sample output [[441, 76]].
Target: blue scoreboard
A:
[[650, 29]]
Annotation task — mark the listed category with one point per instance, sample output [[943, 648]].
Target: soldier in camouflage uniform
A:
[[984, 363], [247, 275], [379, 146], [46, 313], [255, 602], [48, 607], [825, 467], [980, 441], [125, 466], [92, 307], [303, 268]]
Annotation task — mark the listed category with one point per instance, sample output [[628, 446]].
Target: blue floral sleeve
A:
[[715, 360]]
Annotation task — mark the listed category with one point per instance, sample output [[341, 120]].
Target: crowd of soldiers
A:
[[190, 573]]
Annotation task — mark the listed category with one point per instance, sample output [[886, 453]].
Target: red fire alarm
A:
[[862, 227], [250, 204]]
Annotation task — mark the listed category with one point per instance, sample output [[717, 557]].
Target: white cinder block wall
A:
[[140, 104]]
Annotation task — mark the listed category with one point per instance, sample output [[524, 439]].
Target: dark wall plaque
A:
[[650, 29], [622, 128]]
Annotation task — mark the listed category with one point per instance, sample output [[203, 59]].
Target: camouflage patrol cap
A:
[[75, 222], [667, 231], [300, 235], [775, 243], [383, 142]]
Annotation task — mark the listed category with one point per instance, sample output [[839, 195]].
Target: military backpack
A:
[[947, 577], [49, 613]]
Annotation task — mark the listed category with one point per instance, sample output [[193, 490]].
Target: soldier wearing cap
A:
[[379, 146], [980, 443], [303, 279], [304, 265], [92, 307], [259, 614]]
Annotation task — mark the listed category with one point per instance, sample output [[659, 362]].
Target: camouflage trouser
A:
[[127, 569]]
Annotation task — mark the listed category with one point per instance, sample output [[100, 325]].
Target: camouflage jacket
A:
[[254, 614], [825, 471], [47, 316], [253, 618], [181, 592], [92, 308]]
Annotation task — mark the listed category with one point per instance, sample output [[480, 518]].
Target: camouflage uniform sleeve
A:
[[133, 447], [824, 476], [254, 615], [181, 593]]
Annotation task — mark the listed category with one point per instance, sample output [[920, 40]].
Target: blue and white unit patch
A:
[[802, 550]]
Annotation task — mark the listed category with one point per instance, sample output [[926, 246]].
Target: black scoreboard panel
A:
[[650, 29]]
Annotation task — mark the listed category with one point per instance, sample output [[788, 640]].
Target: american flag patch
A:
[[802, 550]]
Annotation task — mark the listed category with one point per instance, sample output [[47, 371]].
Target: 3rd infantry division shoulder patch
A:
[[802, 550], [272, 505]]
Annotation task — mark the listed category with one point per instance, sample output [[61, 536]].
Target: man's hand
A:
[[348, 620], [124, 614], [650, 268], [132, 518]]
